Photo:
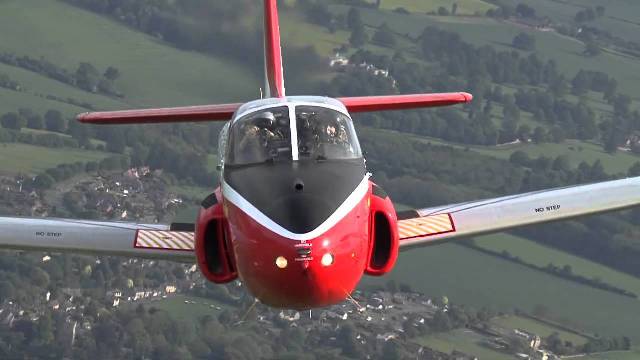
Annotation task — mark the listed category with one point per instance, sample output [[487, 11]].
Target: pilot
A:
[[335, 134], [267, 127], [250, 138]]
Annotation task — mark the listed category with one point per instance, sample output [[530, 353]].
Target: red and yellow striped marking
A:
[[426, 226], [165, 240]]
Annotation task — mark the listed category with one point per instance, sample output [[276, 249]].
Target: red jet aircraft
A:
[[296, 217]]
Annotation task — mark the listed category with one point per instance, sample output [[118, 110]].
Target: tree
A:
[[43, 181], [45, 328], [634, 170], [557, 134], [35, 122], [539, 135], [441, 321], [384, 36], [116, 143], [354, 20], [525, 11], [391, 350], [349, 343], [7, 290], [87, 77], [592, 49], [524, 132], [54, 121], [358, 37], [610, 90], [454, 9], [442, 11], [12, 121], [112, 73], [520, 158], [524, 41]]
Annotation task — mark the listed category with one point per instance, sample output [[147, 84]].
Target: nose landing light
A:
[[327, 259], [281, 262]]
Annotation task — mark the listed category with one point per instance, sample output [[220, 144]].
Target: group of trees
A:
[[557, 346], [482, 71], [86, 76], [52, 120], [590, 14], [7, 83], [565, 272], [428, 175]]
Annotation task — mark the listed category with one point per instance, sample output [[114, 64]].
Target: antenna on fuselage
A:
[[274, 72]]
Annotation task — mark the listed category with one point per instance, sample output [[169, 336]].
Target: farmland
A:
[[478, 280], [576, 151], [143, 60], [30, 159], [188, 308], [540, 255], [465, 7], [461, 340], [567, 52], [538, 328]]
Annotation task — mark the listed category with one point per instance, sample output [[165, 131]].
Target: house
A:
[[289, 315], [338, 61]]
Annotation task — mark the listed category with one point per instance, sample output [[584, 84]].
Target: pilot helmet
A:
[[265, 119]]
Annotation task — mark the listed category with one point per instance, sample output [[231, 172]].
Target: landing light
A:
[[281, 262], [327, 259]]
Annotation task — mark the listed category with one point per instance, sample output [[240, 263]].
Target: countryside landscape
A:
[[556, 103]]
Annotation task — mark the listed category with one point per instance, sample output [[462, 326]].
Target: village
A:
[[140, 194]]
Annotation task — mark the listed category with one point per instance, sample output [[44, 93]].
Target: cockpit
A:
[[291, 132]]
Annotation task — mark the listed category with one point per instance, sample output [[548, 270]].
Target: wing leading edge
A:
[[97, 238], [435, 225]]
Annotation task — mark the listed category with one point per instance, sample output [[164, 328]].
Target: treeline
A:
[[555, 344], [66, 171], [483, 71], [86, 77], [179, 149], [48, 334], [7, 83], [565, 272], [420, 174]]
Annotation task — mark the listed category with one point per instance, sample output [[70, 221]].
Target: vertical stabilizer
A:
[[274, 72]]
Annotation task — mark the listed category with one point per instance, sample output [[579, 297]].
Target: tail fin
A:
[[274, 73]]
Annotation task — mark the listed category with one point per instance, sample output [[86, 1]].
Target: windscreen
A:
[[325, 134], [263, 136]]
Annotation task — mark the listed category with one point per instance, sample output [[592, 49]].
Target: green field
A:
[[469, 277], [29, 159], [153, 73], [613, 355], [12, 101], [576, 150], [465, 7], [540, 255], [622, 17], [191, 311], [463, 340], [296, 31], [567, 52], [36, 87], [541, 329]]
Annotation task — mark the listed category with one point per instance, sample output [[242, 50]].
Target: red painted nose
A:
[[301, 274], [302, 277]]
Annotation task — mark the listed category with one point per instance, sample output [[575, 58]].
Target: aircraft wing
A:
[[170, 242], [403, 102], [221, 112], [438, 224]]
